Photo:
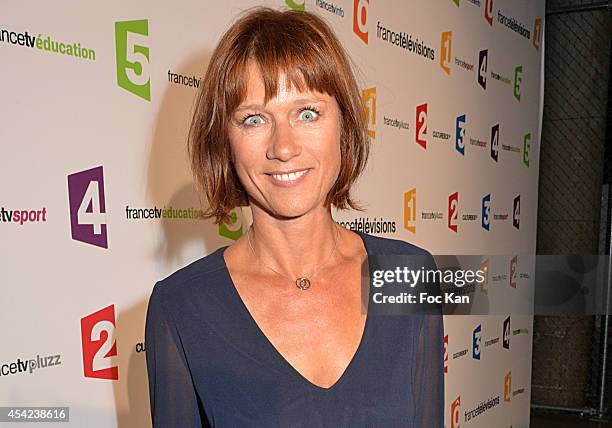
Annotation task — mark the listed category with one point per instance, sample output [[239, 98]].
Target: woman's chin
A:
[[288, 211]]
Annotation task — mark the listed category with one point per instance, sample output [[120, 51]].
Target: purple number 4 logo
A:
[[87, 207]]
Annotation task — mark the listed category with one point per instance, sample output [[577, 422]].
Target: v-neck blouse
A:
[[209, 363]]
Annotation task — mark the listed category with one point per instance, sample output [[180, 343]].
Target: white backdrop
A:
[[97, 201]]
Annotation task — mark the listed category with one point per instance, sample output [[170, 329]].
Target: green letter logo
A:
[[133, 57], [518, 71], [296, 6], [233, 230], [526, 148]]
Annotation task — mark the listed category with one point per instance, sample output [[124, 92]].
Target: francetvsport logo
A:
[[98, 344], [133, 57], [23, 216], [46, 44]]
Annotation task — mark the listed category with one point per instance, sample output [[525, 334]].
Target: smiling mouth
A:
[[289, 177]]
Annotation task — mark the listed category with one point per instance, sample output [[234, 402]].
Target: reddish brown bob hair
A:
[[300, 45]]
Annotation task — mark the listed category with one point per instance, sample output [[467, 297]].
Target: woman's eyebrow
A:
[[298, 101]]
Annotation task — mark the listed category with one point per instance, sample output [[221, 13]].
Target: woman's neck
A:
[[294, 247]]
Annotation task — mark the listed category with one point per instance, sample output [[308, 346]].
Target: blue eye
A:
[[309, 114], [253, 120]]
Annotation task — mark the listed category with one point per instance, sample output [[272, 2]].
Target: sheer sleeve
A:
[[429, 369], [429, 373], [174, 402]]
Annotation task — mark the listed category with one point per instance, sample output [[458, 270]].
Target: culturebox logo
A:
[[133, 57], [368, 96], [460, 134], [445, 51], [88, 207], [360, 19], [234, 229], [410, 210], [421, 125], [99, 346]]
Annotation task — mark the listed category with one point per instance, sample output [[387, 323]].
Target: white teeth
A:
[[289, 177]]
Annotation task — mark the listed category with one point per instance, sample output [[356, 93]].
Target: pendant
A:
[[302, 283]]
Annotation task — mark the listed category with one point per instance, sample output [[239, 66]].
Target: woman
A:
[[271, 331]]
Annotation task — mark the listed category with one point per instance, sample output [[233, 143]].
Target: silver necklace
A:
[[301, 282]]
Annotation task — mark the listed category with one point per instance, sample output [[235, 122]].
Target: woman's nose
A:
[[284, 143]]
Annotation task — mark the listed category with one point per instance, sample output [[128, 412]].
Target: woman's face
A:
[[286, 152]]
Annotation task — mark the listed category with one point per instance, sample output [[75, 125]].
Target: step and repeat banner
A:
[[97, 201]]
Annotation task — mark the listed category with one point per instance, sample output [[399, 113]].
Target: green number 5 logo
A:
[[133, 57]]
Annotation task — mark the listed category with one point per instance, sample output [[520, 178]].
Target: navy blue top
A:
[[209, 364]]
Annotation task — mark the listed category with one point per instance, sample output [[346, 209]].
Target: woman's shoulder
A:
[[382, 245], [204, 272]]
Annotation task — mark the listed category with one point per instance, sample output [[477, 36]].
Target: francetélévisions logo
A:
[[88, 207], [133, 57], [98, 343], [45, 43]]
